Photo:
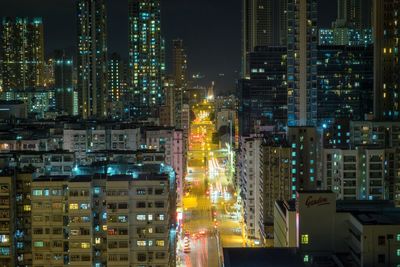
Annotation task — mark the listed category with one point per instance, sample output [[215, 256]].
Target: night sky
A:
[[211, 30]]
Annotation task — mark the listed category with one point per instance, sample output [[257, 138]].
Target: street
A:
[[211, 211]]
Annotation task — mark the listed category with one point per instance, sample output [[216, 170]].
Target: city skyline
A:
[[176, 133], [205, 56]]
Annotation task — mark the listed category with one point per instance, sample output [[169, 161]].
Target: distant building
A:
[[82, 140], [304, 142], [179, 63], [344, 82], [145, 57], [263, 97], [356, 174], [250, 178], [22, 52], [302, 60], [92, 58], [264, 23], [39, 101], [345, 36], [355, 14], [63, 83], [386, 59], [276, 183], [13, 109], [117, 85]]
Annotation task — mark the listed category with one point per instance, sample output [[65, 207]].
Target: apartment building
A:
[[81, 141], [250, 179], [173, 144], [276, 183], [357, 173], [15, 218], [382, 133], [101, 220], [348, 233]]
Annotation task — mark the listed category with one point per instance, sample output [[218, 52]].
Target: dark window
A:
[[381, 258], [381, 240], [141, 205]]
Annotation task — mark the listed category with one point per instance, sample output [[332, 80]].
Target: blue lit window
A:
[[294, 171], [306, 258], [294, 145], [97, 190]]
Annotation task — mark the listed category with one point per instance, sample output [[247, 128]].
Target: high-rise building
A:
[[345, 36], [344, 82], [145, 57], [15, 216], [179, 63], [276, 182], [354, 14], [92, 58], [386, 59], [263, 97], [302, 59], [116, 75], [250, 179], [22, 53], [264, 24], [63, 84], [304, 166], [103, 220]]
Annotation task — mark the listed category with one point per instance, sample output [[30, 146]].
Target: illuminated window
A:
[[85, 245], [104, 227], [84, 206], [150, 230], [27, 207], [97, 240], [37, 192], [160, 243], [304, 239], [141, 243], [73, 206], [150, 216], [398, 252], [38, 244], [306, 258], [141, 217], [4, 239]]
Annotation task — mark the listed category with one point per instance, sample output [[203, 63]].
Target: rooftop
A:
[[266, 257]]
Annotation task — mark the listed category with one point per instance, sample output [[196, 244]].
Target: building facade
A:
[[386, 59], [92, 58], [22, 53], [302, 59], [63, 83], [145, 57], [263, 97], [344, 82]]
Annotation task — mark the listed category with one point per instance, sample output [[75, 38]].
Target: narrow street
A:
[[211, 214]]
